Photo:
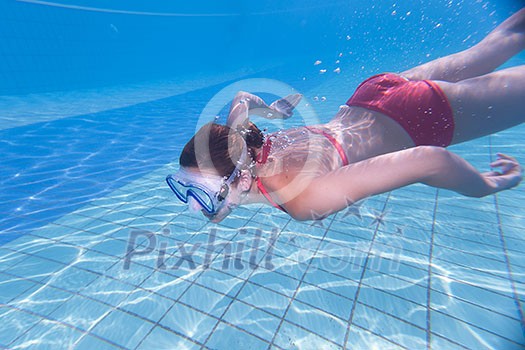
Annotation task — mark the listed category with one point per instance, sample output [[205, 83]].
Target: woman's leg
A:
[[486, 104], [495, 49]]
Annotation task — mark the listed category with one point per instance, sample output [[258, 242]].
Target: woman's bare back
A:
[[361, 133]]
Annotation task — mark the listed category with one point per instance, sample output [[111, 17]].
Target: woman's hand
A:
[[245, 104], [510, 176], [283, 107]]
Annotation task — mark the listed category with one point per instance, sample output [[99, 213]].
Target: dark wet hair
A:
[[220, 147]]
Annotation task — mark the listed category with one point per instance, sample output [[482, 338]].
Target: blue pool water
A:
[[97, 100]]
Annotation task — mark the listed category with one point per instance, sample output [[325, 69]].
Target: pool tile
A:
[[325, 300], [53, 232], [285, 266], [103, 228], [187, 222], [206, 300], [395, 330], [111, 246], [48, 335], [275, 281], [107, 290], [439, 342], [359, 338], [188, 322], [36, 268], [411, 290], [470, 271], [95, 262], [169, 286], [122, 328], [82, 239], [291, 336], [10, 258], [91, 211], [138, 271], [317, 321], [73, 221], [146, 304], [162, 339], [220, 281], [62, 253], [133, 208], [344, 234], [469, 336], [498, 297], [337, 257], [15, 323], [80, 312], [28, 244], [264, 299], [159, 215], [147, 224], [483, 318], [42, 300], [252, 320], [396, 268], [90, 342], [333, 282], [72, 279], [415, 234], [472, 247], [394, 305], [227, 337], [11, 287], [118, 218]]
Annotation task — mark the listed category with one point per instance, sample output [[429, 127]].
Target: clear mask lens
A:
[[185, 192]]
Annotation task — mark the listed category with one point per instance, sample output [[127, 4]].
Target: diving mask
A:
[[209, 191]]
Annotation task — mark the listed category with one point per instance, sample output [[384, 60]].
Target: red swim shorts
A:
[[419, 106]]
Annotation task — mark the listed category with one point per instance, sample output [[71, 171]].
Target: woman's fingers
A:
[[286, 104], [504, 156], [502, 163], [511, 172], [491, 173], [294, 99]]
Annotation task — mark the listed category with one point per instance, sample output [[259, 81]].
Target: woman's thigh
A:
[[486, 104]]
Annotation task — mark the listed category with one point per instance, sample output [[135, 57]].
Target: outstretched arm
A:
[[434, 166], [245, 104]]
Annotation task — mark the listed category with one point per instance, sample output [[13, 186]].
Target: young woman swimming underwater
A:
[[391, 133]]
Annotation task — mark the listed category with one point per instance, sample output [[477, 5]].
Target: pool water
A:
[[97, 253]]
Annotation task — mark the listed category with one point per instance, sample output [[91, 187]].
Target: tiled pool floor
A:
[[414, 268]]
